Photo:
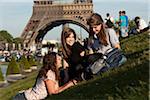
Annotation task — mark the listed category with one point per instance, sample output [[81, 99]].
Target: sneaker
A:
[[83, 76], [86, 76]]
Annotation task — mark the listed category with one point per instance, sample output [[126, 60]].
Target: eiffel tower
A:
[[48, 14]]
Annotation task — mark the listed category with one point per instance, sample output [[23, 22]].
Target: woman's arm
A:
[[114, 40], [51, 86], [79, 48], [66, 86]]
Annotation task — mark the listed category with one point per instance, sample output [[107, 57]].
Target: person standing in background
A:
[[108, 17], [123, 24], [127, 21]]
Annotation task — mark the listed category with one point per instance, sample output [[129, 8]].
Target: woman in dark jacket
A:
[[73, 52]]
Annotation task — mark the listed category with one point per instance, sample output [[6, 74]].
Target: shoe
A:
[[86, 76]]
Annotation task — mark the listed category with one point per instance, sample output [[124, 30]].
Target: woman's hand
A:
[[74, 82], [117, 46], [82, 53]]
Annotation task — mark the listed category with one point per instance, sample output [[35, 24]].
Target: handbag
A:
[[97, 63], [114, 57], [99, 66]]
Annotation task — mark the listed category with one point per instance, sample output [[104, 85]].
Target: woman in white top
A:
[[47, 80]]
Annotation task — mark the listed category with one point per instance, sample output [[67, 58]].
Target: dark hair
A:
[[96, 19], [65, 47], [107, 14], [136, 18], [124, 12], [120, 12], [49, 61]]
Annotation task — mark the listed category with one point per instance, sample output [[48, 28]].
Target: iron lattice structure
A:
[[48, 14]]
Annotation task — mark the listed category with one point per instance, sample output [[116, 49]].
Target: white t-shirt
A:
[[142, 24], [39, 91]]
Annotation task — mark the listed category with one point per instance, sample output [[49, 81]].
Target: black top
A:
[[75, 57], [74, 60]]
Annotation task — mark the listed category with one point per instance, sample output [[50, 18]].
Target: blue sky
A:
[[14, 14]]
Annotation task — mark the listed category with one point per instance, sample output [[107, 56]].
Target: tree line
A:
[[6, 37]]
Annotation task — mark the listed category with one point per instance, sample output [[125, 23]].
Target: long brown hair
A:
[[66, 48], [96, 19], [49, 63]]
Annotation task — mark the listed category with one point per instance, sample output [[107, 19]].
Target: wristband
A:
[[73, 82]]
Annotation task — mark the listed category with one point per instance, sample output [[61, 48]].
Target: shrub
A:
[[13, 67], [1, 75], [24, 63], [32, 61], [132, 24]]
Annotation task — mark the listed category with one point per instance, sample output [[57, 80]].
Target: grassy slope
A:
[[130, 81]]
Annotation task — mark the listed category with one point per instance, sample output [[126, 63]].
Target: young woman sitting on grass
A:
[[47, 81]]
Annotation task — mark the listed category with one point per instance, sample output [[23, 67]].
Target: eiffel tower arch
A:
[[48, 14]]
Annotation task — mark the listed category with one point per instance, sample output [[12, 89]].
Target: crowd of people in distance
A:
[[121, 25], [75, 64]]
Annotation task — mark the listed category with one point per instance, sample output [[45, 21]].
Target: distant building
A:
[[49, 46], [50, 41]]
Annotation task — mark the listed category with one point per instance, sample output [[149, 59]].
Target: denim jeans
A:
[[20, 96]]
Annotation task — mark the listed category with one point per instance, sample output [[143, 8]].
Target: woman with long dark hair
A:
[[47, 81], [73, 52]]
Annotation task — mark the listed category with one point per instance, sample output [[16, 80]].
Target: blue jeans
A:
[[124, 31], [20, 96]]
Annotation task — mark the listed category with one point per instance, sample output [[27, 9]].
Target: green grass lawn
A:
[[130, 81], [7, 92]]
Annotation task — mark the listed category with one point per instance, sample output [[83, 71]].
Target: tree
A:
[[32, 61], [1, 75], [13, 67], [24, 63], [132, 24], [6, 36], [17, 40]]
